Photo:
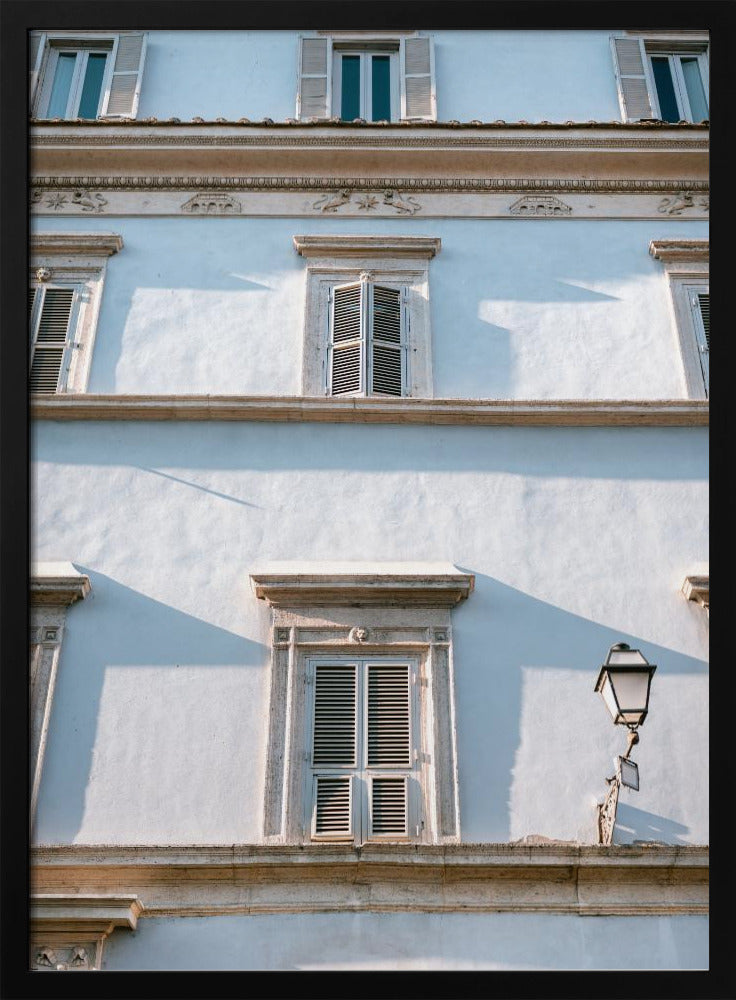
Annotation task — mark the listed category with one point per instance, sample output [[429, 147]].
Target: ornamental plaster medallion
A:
[[43, 274], [539, 205], [212, 203], [358, 634], [683, 200], [73, 958]]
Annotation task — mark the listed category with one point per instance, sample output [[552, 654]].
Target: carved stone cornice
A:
[[388, 152], [69, 929], [336, 245], [552, 877], [76, 244], [297, 585], [57, 583], [697, 588], [360, 410], [680, 251], [517, 185]]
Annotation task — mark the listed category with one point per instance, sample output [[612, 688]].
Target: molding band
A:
[[336, 245], [500, 412]]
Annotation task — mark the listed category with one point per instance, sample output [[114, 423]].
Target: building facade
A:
[[369, 410]]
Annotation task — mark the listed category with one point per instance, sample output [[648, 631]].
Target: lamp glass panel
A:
[[629, 774], [608, 697], [631, 689], [626, 657]]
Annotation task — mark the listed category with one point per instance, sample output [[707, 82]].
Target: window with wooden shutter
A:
[[633, 91], [367, 344], [362, 750], [314, 92], [700, 305], [87, 75], [418, 95], [662, 78], [51, 312]]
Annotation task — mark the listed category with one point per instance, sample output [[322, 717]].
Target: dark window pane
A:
[[381, 89], [350, 105], [90, 100], [665, 91]]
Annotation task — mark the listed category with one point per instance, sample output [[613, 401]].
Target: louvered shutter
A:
[[335, 714], [700, 302], [333, 806], [388, 736], [631, 80], [418, 95], [51, 338], [315, 78], [387, 344], [121, 99], [347, 339], [37, 48], [389, 806]]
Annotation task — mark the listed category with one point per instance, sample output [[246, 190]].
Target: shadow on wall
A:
[[121, 626], [635, 824], [496, 634]]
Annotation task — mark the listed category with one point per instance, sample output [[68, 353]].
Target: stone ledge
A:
[[76, 244], [680, 251], [697, 588], [58, 583], [499, 412], [202, 881], [367, 246], [294, 585], [83, 913]]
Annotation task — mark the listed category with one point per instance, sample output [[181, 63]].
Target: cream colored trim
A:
[[680, 251], [551, 413], [308, 585], [76, 244], [339, 246], [549, 878]]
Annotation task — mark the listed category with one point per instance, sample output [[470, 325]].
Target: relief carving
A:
[[211, 203], [367, 202], [89, 201], [72, 958], [539, 205], [358, 634], [683, 200]]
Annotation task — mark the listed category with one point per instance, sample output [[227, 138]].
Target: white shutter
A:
[[629, 65], [50, 338], [388, 806], [335, 715], [333, 806], [387, 343], [388, 735], [418, 95], [347, 339], [700, 304], [314, 91], [122, 96], [37, 49]]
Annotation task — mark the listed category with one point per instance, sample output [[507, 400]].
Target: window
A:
[[54, 587], [368, 77], [363, 752], [367, 342], [86, 75], [663, 77], [686, 265], [367, 315], [65, 290], [361, 743]]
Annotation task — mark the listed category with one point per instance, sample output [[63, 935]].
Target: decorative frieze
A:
[[212, 203], [367, 202], [541, 205], [683, 201]]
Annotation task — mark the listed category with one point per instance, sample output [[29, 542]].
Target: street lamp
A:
[[624, 683]]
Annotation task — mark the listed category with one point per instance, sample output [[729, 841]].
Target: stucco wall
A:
[[524, 309], [402, 941], [578, 538], [487, 75]]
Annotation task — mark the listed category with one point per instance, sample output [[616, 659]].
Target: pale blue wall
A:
[[487, 75], [411, 941], [578, 538], [524, 309]]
